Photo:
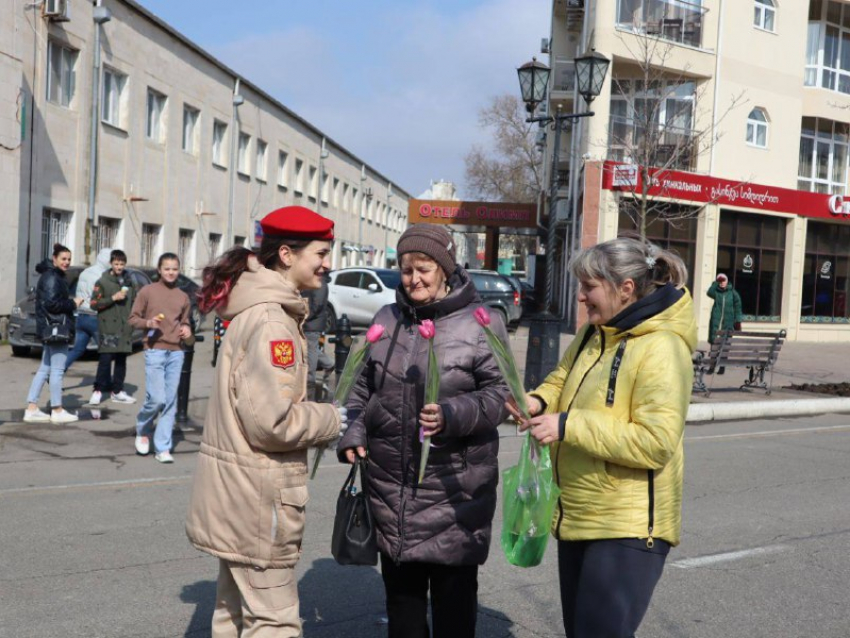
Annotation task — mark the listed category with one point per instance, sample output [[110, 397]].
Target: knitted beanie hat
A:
[[432, 240]]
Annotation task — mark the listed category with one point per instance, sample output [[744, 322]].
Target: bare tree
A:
[[512, 171], [658, 124]]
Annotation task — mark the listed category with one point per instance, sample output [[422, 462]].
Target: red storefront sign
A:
[[704, 189], [495, 214]]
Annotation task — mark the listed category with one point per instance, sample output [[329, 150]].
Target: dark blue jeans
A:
[[86, 329], [606, 585]]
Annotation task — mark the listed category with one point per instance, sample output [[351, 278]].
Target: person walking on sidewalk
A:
[[162, 310], [86, 325], [614, 411], [250, 487], [54, 317], [112, 299], [432, 536], [726, 312]]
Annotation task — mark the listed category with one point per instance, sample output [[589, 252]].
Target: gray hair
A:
[[614, 261]]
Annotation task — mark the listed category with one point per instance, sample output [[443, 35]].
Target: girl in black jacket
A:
[[53, 306]]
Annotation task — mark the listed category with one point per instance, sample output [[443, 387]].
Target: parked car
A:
[[499, 293], [22, 330], [360, 293], [188, 286]]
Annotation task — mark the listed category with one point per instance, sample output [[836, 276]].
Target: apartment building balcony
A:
[[667, 147], [677, 21]]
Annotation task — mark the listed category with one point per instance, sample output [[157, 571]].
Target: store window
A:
[[757, 128], [826, 274], [673, 228], [751, 252], [765, 15], [823, 156]]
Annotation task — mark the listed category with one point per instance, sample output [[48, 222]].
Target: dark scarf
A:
[[646, 308]]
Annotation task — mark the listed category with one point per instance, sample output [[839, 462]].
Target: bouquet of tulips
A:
[[529, 493], [427, 331], [354, 365]]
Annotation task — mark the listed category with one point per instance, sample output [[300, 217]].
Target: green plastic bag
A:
[[529, 496]]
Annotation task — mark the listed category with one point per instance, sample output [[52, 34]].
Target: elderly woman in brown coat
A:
[[250, 488], [434, 534]]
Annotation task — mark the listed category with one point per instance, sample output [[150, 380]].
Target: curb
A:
[[741, 410]]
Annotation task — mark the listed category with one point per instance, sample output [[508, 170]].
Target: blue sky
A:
[[398, 83]]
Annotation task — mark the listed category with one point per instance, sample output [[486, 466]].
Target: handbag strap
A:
[[359, 464]]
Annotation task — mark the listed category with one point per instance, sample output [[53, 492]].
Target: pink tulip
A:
[[482, 317], [375, 332], [426, 329]]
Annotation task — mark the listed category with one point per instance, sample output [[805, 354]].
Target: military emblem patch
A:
[[283, 353]]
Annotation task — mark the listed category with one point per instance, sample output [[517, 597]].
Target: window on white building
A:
[[313, 183], [299, 176], [823, 156], [335, 193], [54, 229], [113, 97], [61, 74], [154, 123], [242, 162], [757, 128], [215, 245], [150, 244], [658, 119], [190, 129], [107, 233], [185, 239], [260, 166], [828, 46], [219, 133], [765, 15], [325, 187], [345, 201], [283, 169], [238, 240]]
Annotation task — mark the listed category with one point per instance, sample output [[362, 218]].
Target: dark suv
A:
[[499, 293], [22, 331]]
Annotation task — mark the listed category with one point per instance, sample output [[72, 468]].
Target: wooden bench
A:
[[756, 351]]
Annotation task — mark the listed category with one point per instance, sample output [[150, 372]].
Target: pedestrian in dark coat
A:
[[434, 534], [726, 313], [112, 298], [54, 317]]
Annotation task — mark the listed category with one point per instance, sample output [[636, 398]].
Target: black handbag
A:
[[354, 541], [58, 330]]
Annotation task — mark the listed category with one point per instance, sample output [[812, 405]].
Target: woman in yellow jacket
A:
[[250, 489], [614, 411]]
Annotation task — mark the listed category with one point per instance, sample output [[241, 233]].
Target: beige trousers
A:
[[255, 603]]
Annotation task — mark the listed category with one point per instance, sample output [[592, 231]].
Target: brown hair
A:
[[58, 249], [220, 276]]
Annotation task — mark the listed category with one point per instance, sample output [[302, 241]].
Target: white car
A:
[[360, 293]]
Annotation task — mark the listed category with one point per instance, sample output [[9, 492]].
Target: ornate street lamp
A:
[[544, 331], [533, 82]]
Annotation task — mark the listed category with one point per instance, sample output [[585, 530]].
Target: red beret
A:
[[297, 222]]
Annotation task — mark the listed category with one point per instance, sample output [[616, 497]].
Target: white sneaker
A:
[[96, 398], [63, 416], [164, 457], [122, 397], [143, 445], [36, 416]]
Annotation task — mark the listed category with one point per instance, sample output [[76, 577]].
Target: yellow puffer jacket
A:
[[620, 463]]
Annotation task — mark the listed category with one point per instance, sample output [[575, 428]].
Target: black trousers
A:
[[454, 599], [606, 585], [107, 380]]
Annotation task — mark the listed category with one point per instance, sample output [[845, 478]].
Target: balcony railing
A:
[[564, 75], [668, 147], [675, 20]]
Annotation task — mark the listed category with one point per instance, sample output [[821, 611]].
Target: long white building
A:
[[188, 154]]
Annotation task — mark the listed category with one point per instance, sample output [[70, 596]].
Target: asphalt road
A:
[[92, 542]]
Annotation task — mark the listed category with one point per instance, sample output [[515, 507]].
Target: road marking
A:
[[712, 559], [73, 486], [747, 435]]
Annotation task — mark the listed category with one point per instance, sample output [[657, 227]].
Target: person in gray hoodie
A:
[[86, 324]]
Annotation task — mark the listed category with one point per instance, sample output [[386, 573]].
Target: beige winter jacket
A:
[[250, 486]]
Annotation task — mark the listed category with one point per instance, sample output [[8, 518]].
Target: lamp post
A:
[[544, 333]]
